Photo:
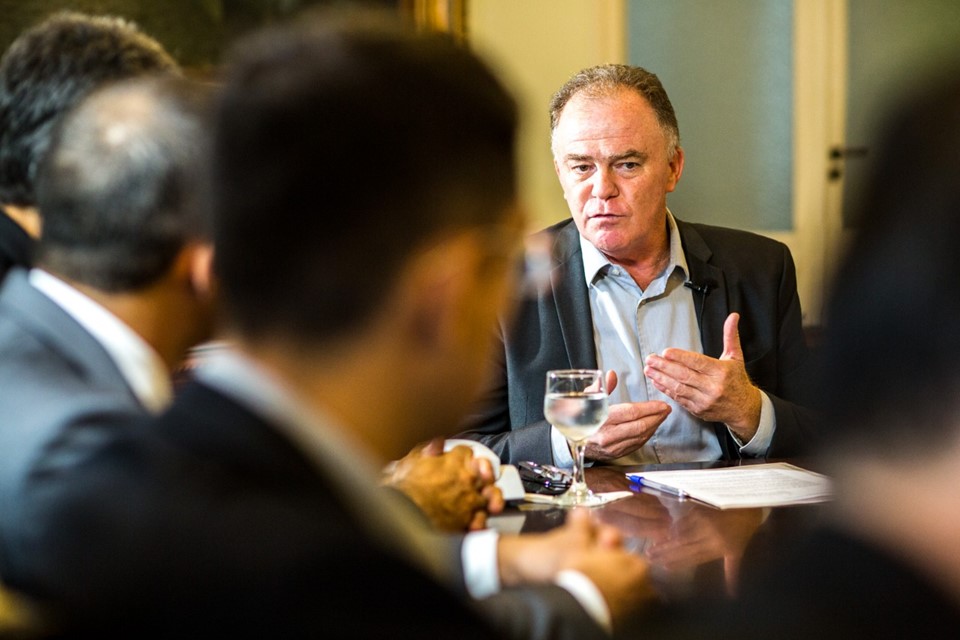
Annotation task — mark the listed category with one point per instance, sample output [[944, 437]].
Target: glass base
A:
[[578, 495]]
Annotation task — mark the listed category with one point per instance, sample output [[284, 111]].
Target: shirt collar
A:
[[140, 365], [595, 263]]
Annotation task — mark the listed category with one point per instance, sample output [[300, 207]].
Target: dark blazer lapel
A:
[[572, 299], [716, 306], [48, 323]]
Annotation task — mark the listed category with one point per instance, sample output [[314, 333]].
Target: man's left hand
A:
[[716, 390], [454, 490]]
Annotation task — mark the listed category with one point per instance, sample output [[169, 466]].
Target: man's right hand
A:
[[622, 577], [581, 544], [629, 425]]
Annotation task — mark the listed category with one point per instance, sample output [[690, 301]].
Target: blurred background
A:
[[777, 100]]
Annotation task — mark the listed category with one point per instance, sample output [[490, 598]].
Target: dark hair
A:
[[893, 346], [602, 80], [121, 189], [46, 71], [342, 146]]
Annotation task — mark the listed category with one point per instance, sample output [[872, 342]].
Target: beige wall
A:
[[536, 45]]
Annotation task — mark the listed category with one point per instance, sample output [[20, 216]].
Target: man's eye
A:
[[629, 166], [580, 168]]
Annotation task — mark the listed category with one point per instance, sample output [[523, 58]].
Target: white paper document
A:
[[760, 485]]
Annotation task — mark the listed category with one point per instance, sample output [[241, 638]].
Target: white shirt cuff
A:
[[478, 553], [561, 450], [587, 594], [761, 440]]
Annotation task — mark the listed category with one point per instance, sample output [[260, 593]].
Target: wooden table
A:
[[693, 549]]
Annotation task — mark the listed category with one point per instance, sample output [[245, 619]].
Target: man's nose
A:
[[604, 186]]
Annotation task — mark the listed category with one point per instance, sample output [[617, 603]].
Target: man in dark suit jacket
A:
[[358, 327], [120, 291], [665, 303], [220, 517], [45, 72], [883, 563]]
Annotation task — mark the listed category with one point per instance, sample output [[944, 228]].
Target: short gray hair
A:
[[121, 190], [603, 80]]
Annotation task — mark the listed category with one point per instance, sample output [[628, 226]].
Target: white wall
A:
[[536, 45]]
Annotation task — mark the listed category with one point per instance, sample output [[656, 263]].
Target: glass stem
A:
[[579, 487]]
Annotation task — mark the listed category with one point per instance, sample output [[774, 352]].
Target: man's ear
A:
[[193, 267], [435, 285], [676, 168], [201, 271]]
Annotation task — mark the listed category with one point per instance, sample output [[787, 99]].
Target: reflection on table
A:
[[693, 549]]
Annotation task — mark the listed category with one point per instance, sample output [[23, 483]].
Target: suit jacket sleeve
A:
[[756, 277], [534, 612], [788, 385], [492, 423], [539, 613], [553, 330]]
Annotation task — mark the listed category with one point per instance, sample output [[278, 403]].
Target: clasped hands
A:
[[712, 389], [454, 490]]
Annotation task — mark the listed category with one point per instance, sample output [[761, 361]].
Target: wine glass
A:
[[576, 404]]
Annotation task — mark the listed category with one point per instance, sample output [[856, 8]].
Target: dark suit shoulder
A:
[[206, 518], [726, 241], [38, 336]]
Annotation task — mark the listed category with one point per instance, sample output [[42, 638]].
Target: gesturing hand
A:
[[717, 390], [628, 426]]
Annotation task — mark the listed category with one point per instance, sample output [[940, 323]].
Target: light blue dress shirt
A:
[[628, 325]]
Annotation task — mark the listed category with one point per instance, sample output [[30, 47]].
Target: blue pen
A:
[[662, 488]]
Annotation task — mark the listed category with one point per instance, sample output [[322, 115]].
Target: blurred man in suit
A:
[[45, 72], [121, 288], [104, 226], [888, 567], [701, 324], [367, 232], [885, 563]]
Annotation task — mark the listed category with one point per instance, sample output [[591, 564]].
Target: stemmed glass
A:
[[576, 404]]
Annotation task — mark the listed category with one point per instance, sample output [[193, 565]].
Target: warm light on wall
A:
[[441, 15]]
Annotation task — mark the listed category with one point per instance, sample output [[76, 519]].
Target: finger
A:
[[494, 497], [611, 381], [629, 426], [460, 453], [609, 537], [478, 521], [433, 448], [673, 357], [579, 520], [687, 396], [635, 411], [677, 379], [484, 470], [731, 338]]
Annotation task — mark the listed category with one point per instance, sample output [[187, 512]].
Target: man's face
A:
[[615, 169]]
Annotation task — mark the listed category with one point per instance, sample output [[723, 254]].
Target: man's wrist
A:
[[480, 558], [588, 595], [746, 428]]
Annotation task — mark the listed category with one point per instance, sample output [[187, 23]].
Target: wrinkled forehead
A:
[[612, 119]]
